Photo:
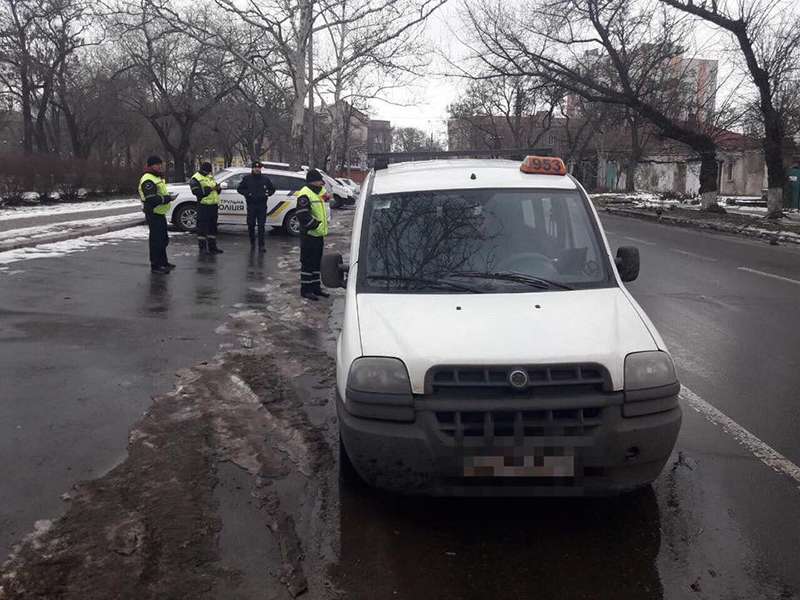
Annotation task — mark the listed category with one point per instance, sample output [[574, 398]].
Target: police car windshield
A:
[[503, 240]]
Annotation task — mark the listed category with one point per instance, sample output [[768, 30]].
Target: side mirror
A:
[[223, 185], [334, 271], [628, 263]]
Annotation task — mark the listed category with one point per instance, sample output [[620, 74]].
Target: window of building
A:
[[730, 165]]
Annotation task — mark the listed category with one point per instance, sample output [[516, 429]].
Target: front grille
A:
[[497, 379], [491, 424]]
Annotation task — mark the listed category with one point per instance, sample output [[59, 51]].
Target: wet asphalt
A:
[[87, 338], [85, 341]]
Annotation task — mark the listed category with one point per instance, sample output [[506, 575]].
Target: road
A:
[[229, 487]]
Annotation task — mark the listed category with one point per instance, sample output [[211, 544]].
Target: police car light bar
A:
[[543, 165]]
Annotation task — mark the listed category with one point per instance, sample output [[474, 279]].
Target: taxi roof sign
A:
[[543, 165]]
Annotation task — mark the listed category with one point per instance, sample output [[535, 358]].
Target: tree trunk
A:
[[709, 173], [633, 160], [776, 172]]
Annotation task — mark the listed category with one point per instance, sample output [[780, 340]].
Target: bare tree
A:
[[37, 39], [499, 112], [411, 139], [174, 80], [618, 52], [767, 33]]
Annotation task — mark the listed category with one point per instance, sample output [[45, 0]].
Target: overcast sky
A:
[[425, 105]]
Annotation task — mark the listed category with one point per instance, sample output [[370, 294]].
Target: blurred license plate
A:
[[524, 466]]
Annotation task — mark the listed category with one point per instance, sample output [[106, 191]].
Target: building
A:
[[379, 136]]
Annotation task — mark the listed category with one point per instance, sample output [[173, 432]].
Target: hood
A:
[[176, 188], [425, 330]]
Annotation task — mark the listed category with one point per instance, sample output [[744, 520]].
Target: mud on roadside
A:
[[225, 489]]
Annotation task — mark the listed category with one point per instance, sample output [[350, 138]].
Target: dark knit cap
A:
[[256, 164], [205, 167], [154, 160], [313, 175]]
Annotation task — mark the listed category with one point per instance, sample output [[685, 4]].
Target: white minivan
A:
[[281, 205], [489, 345]]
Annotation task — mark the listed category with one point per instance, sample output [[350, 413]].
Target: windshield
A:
[[501, 240]]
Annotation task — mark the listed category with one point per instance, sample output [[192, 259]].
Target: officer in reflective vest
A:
[[206, 190], [155, 204], [313, 218]]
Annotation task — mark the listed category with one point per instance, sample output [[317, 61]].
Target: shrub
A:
[[68, 179]]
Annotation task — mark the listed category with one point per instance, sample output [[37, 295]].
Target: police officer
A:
[[206, 190], [256, 188], [313, 220], [155, 204]]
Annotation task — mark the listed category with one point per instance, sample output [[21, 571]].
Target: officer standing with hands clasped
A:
[[256, 188], [313, 220], [206, 190], [155, 204]]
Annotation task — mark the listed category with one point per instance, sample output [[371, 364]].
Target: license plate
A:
[[525, 466]]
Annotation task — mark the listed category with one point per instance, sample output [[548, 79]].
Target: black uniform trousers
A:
[[310, 260], [158, 238], [256, 215], [207, 216]]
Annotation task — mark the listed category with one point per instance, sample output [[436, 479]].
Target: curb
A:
[[746, 231], [69, 235]]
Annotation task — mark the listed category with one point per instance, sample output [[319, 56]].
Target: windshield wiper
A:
[[537, 282], [429, 283]]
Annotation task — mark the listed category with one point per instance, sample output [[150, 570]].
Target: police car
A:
[[489, 345], [281, 206]]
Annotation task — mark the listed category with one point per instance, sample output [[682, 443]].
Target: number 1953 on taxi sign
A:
[[543, 165]]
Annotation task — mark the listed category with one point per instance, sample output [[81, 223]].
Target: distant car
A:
[[351, 184], [342, 194], [281, 206]]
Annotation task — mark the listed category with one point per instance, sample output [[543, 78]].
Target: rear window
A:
[[490, 240]]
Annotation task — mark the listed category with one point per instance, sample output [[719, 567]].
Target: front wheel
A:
[[337, 202], [185, 217], [291, 224]]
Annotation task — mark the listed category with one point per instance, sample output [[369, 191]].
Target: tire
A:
[[291, 226], [337, 202], [185, 217]]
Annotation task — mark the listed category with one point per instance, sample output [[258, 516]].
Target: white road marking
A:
[[772, 275], [761, 450], [638, 241], [693, 255]]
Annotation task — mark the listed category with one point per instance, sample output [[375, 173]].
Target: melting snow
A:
[[25, 212], [80, 244]]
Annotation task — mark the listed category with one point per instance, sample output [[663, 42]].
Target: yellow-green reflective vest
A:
[[207, 182], [161, 186], [317, 210]]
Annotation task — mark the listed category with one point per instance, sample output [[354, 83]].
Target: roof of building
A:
[[457, 174]]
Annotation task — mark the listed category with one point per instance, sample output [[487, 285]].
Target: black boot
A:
[[321, 293], [309, 295], [212, 246], [202, 245]]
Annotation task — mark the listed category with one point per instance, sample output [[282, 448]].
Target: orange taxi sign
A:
[[543, 165]]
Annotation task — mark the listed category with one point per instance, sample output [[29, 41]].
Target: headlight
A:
[[651, 385], [379, 388], [379, 376], [645, 370]]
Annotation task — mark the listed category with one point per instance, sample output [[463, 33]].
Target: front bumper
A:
[[610, 453]]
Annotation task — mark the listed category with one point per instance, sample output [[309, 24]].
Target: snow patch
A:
[[80, 244], [25, 212], [26, 232]]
